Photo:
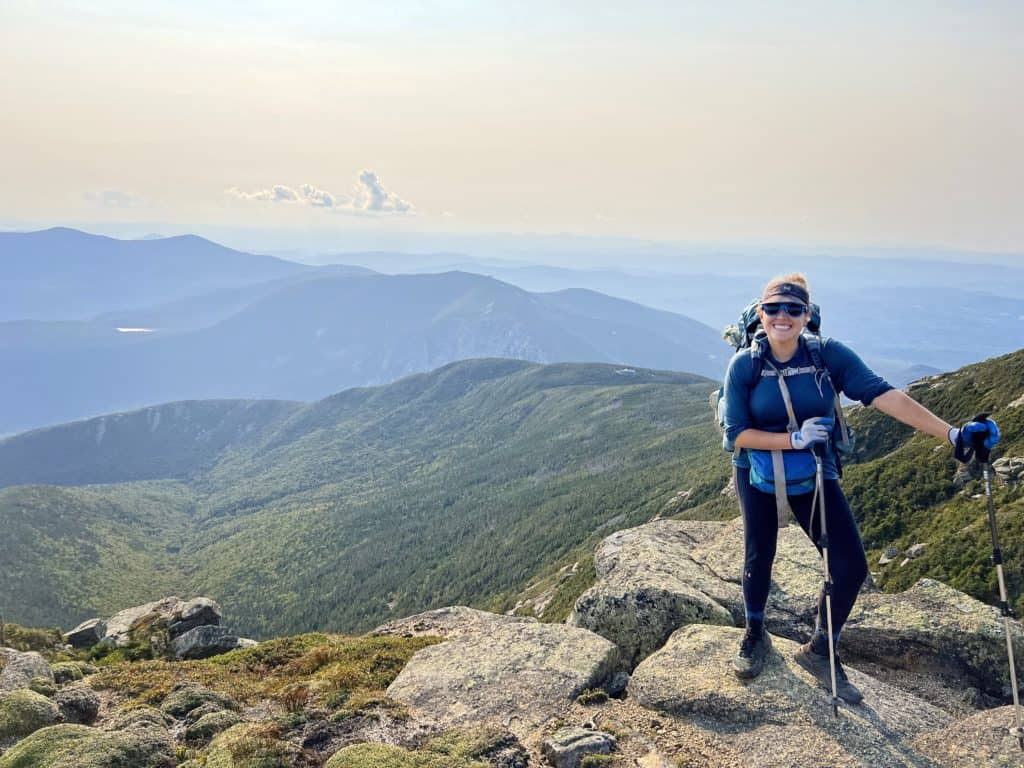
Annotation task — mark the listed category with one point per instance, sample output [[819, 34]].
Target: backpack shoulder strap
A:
[[814, 345]]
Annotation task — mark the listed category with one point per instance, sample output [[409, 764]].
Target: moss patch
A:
[[187, 697], [209, 725], [386, 756], [30, 639], [252, 745], [84, 747], [467, 748], [44, 686], [24, 712], [67, 671]]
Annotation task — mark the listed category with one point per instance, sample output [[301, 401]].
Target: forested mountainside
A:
[[480, 483], [454, 486]]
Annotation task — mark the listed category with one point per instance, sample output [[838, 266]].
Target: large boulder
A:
[[203, 642], [197, 612], [120, 626], [664, 574], [79, 746], [783, 717], [17, 669], [934, 628], [87, 634], [168, 617], [648, 585], [512, 670]]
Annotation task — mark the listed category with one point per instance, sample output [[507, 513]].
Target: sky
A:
[[847, 123]]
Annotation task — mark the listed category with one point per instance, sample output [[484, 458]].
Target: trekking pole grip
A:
[[981, 452]]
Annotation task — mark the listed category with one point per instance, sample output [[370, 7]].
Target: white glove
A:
[[813, 430]]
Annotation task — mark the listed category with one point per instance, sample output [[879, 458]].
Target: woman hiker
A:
[[757, 419]]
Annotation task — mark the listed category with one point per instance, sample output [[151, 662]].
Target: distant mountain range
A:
[[300, 335], [64, 274]]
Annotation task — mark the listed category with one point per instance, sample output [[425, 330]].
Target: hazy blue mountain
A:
[[64, 274], [898, 314], [313, 337]]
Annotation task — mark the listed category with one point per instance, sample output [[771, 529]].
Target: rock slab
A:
[[516, 672], [784, 713]]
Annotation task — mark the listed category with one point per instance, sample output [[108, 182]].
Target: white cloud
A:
[[113, 198], [369, 197]]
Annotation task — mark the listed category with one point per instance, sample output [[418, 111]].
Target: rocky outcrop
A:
[[512, 670], [979, 741], [638, 609], [657, 577], [123, 626], [783, 717], [170, 627], [935, 629], [1009, 469]]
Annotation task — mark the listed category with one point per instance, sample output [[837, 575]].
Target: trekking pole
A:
[[819, 493], [981, 455]]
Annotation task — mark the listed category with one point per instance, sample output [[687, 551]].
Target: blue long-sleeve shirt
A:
[[758, 404]]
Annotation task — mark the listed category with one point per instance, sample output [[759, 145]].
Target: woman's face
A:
[[782, 328]]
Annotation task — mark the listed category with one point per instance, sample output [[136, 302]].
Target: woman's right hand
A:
[[813, 430]]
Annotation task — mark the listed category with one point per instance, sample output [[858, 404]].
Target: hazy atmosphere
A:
[[840, 123]]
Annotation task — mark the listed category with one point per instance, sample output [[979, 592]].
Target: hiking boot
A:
[[752, 655], [818, 666]]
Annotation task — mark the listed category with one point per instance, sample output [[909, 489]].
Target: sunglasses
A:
[[793, 309]]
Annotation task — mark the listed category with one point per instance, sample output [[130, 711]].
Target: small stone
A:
[[890, 554], [567, 747], [915, 551]]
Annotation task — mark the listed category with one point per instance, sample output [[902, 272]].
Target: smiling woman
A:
[[780, 418]]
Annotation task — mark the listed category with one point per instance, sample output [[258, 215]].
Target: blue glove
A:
[[813, 430], [963, 438]]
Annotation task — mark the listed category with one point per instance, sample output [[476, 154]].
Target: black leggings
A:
[[846, 560]]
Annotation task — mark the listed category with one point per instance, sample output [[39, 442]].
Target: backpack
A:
[[748, 334]]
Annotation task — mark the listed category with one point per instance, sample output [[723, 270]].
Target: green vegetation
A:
[[25, 711], [455, 487], [85, 747], [452, 749], [31, 639], [907, 495], [342, 673], [73, 553], [475, 484], [592, 696]]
